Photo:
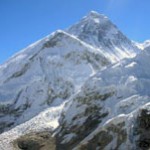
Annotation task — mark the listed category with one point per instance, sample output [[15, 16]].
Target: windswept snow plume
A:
[[85, 88]]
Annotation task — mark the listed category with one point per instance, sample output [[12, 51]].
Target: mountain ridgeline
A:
[[84, 88]]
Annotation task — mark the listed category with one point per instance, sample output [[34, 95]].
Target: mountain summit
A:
[[93, 15], [74, 90], [98, 31]]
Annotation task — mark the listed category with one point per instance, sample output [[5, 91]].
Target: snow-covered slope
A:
[[109, 111], [143, 45], [98, 31], [45, 74], [110, 104], [63, 92]]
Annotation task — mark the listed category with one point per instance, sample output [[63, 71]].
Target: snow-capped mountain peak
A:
[[94, 13], [90, 24], [95, 16], [98, 31]]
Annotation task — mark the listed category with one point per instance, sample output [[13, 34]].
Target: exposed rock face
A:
[[89, 113], [35, 141], [142, 130], [105, 137]]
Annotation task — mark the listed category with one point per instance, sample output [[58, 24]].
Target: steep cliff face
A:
[[74, 90]]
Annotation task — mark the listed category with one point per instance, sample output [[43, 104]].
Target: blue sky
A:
[[23, 22]]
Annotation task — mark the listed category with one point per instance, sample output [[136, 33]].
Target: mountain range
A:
[[82, 88]]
